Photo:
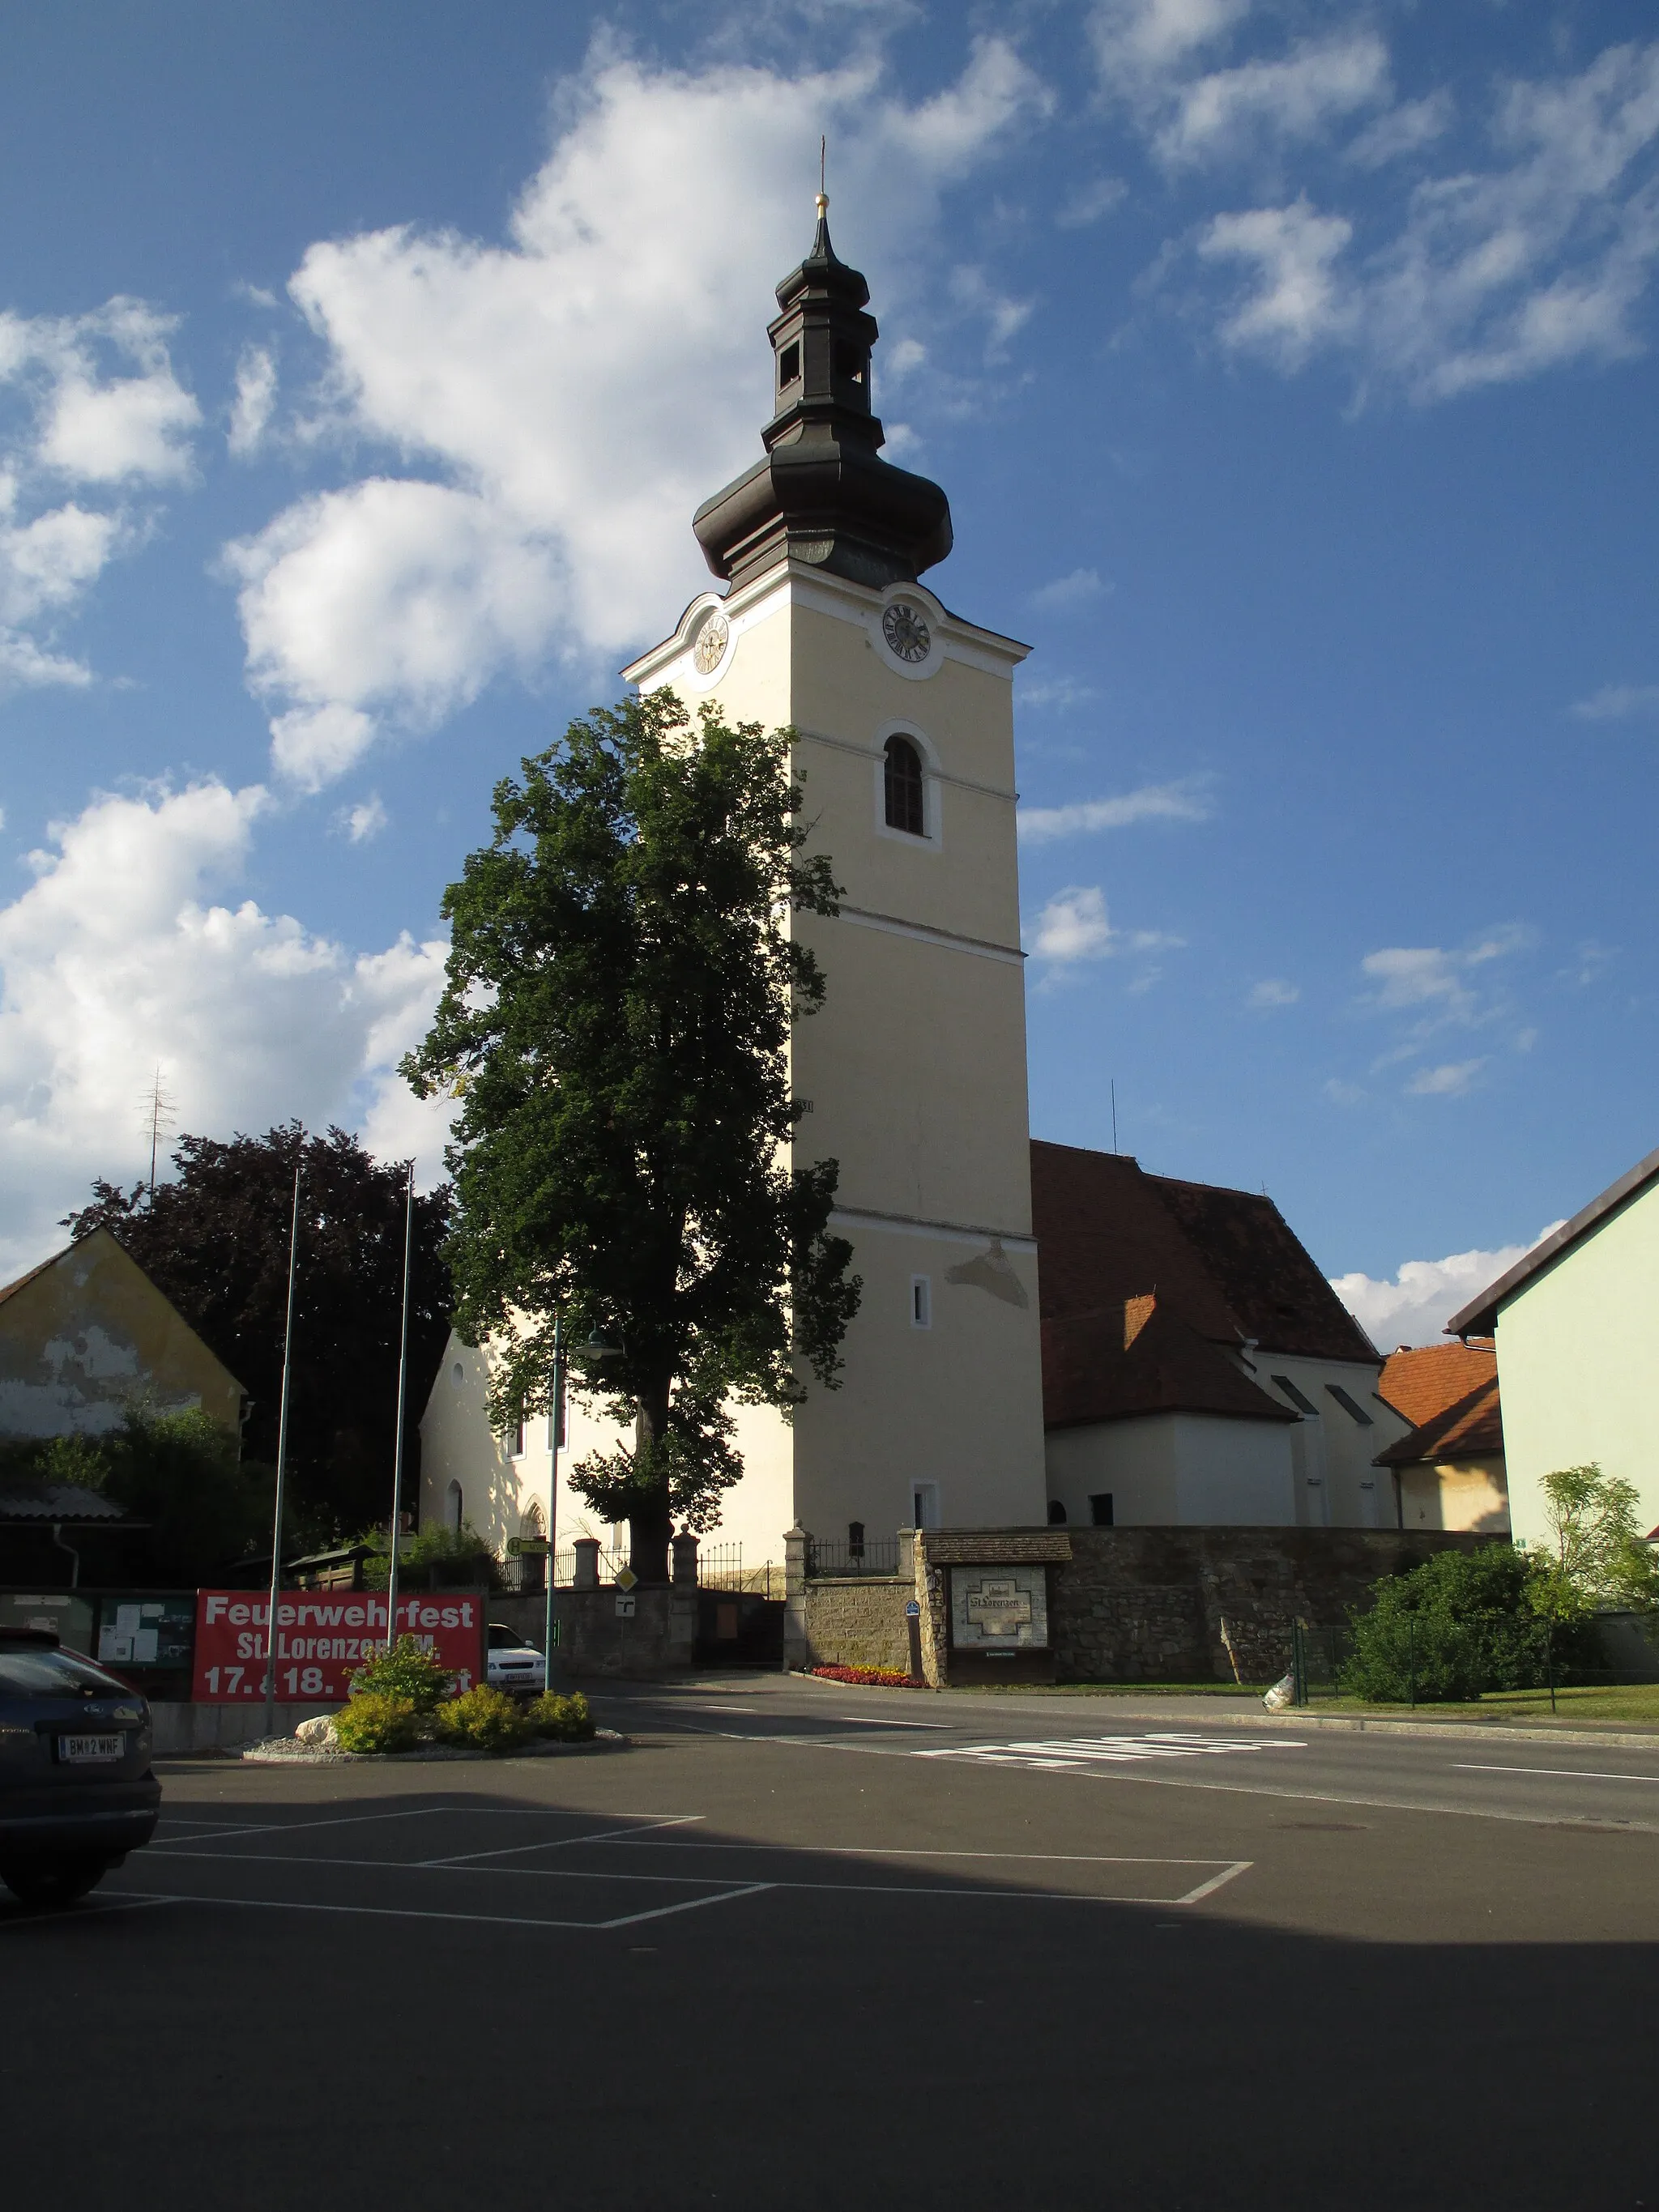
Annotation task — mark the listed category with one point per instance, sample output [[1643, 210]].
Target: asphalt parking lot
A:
[[798, 1946]]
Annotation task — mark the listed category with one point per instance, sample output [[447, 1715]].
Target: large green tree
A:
[[622, 980], [216, 1240]]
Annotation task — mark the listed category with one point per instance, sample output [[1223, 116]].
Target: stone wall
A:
[[846, 1620], [1147, 1605], [593, 1639]]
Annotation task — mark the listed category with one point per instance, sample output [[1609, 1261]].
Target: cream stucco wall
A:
[[915, 1067], [1336, 1485], [1463, 1494], [1174, 1470], [1575, 1357], [88, 1336]]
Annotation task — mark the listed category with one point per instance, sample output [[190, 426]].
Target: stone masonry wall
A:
[[1147, 1604], [848, 1623]]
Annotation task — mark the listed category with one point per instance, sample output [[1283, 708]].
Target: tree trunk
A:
[[650, 1525]]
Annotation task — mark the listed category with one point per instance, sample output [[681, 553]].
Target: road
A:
[[803, 1947]]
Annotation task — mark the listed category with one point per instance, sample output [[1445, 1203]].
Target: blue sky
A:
[[1290, 369]]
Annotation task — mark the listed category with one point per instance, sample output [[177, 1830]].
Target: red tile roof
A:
[[1149, 1284], [1449, 1392], [1139, 1357], [1227, 1261]]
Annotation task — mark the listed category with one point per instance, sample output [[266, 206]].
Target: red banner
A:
[[322, 1637]]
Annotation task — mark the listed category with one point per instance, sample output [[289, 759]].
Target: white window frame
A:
[[932, 839]]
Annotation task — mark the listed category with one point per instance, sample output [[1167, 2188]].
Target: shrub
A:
[[1459, 1624], [408, 1671], [565, 1720], [378, 1723], [436, 1556], [484, 1720]]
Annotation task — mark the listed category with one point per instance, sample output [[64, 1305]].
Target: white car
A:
[[512, 1664]]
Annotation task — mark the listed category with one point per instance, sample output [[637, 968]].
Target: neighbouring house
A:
[[86, 1336], [1448, 1472], [1574, 1324], [1198, 1370]]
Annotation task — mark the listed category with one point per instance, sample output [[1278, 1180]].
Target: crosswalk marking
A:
[[1059, 1754]]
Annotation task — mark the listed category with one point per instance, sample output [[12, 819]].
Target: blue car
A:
[[77, 1793]]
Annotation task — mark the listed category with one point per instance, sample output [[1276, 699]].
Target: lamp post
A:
[[281, 1468], [397, 1452]]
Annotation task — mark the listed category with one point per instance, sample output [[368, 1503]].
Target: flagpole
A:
[[282, 1463], [397, 1456]]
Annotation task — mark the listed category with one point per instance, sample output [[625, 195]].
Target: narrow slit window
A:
[[1303, 1405], [1100, 1509], [1350, 1406], [903, 788], [921, 1302]]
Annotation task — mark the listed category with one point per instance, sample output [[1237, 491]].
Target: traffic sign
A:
[[625, 1606], [527, 1547], [913, 1610], [624, 1578]]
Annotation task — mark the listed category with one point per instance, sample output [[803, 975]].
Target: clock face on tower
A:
[[710, 645], [905, 629]]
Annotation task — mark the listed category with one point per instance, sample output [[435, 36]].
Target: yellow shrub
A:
[[567, 1720], [376, 1723], [484, 1720]]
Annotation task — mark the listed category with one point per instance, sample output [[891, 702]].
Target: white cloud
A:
[[364, 821], [1317, 83], [1066, 593], [1404, 129], [1074, 925], [1090, 201], [1617, 703], [1343, 1094], [123, 952], [1186, 801], [256, 395], [1453, 1079], [1297, 302], [1414, 1306], [972, 290], [548, 381], [1274, 991], [1140, 44], [1429, 976], [75, 416], [1495, 274]]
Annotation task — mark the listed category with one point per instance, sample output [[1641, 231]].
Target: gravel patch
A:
[[283, 1751]]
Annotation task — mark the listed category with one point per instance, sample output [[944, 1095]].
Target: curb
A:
[[261, 1754]]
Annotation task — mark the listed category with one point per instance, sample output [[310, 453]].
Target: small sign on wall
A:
[[999, 1608]]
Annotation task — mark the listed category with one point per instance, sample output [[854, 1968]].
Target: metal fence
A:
[[721, 1567], [827, 1562]]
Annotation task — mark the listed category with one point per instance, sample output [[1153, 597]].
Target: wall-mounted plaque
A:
[[999, 1608]]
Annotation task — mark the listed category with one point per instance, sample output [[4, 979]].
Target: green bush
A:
[[408, 1671], [484, 1720], [378, 1724], [434, 1557], [1459, 1624], [565, 1720]]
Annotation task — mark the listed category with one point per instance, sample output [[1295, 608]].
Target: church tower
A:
[[913, 1074]]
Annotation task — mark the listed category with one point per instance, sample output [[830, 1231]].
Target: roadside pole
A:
[[398, 1451], [281, 1466], [554, 1420]]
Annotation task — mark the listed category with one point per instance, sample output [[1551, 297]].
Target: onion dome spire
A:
[[823, 494]]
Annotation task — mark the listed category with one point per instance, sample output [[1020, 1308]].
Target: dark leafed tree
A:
[[216, 1240], [622, 981]]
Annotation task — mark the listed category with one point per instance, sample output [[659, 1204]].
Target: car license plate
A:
[[85, 1750]]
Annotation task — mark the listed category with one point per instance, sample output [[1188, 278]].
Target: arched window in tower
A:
[[903, 783]]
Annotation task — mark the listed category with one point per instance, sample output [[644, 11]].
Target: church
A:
[[912, 1075]]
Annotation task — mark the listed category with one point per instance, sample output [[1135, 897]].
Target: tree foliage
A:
[[1594, 1553], [177, 1474], [623, 978], [215, 1241], [1462, 1623]]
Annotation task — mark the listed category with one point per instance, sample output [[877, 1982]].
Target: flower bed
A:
[[880, 1678]]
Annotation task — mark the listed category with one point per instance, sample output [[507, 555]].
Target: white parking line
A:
[[407, 1913], [561, 1843], [1573, 1773]]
